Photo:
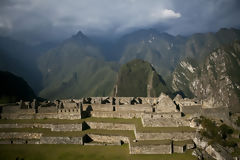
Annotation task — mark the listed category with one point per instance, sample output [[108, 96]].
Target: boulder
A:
[[218, 152]]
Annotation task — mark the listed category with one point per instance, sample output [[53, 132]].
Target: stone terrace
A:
[[148, 125]]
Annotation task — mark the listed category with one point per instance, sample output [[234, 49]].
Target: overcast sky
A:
[[47, 20]]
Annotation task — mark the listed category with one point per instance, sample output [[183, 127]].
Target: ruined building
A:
[[149, 125]]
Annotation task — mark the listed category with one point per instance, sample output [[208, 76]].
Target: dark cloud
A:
[[43, 20]]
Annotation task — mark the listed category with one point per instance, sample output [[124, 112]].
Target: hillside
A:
[[20, 59], [216, 80], [76, 69], [80, 66], [139, 78], [14, 88], [165, 51]]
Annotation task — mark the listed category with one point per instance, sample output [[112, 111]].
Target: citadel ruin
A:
[[150, 125]]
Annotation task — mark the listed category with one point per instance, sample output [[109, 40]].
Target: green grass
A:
[[136, 121], [48, 132], [75, 152]]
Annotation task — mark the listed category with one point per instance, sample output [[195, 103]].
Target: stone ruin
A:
[[154, 112]]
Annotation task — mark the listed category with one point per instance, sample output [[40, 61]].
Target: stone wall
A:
[[113, 114], [19, 141], [110, 126], [21, 125], [72, 115], [134, 108], [61, 140], [177, 136], [17, 116], [151, 149], [20, 135], [165, 122], [162, 115], [46, 116], [67, 127], [49, 109], [102, 107], [53, 127], [191, 109], [17, 110], [108, 138], [179, 149]]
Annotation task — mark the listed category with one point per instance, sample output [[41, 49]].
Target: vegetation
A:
[[76, 69], [217, 134], [238, 122], [135, 77], [136, 121], [70, 152], [14, 88], [48, 132]]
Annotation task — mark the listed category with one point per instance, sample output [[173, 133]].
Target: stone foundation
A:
[[61, 140], [125, 115], [111, 126], [109, 138], [151, 149], [177, 136]]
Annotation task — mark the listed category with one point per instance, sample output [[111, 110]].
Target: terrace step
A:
[[160, 146]]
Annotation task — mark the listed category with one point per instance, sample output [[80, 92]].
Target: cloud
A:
[[43, 20], [165, 14]]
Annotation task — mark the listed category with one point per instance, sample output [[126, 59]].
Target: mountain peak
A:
[[80, 35], [139, 78]]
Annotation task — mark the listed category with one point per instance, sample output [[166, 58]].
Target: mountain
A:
[[139, 78], [156, 48], [165, 51], [14, 88], [80, 67], [216, 80], [76, 68]]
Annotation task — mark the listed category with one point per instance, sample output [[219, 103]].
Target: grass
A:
[[75, 152], [48, 132], [136, 121], [85, 152]]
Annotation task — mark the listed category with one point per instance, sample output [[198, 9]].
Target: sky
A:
[[52, 20]]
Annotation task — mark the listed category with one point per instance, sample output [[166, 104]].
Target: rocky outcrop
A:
[[215, 81], [218, 152]]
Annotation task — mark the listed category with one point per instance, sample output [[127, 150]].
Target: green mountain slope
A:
[[165, 52], [76, 69], [139, 78], [14, 88]]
